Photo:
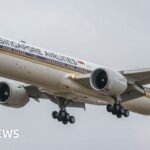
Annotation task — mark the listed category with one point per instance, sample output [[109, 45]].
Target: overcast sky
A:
[[113, 33]]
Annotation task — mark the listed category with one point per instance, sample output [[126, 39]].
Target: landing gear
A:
[[63, 117], [72, 119], [109, 108], [55, 114], [117, 110], [126, 113]]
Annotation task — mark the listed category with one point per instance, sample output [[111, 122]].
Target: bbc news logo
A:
[[9, 134]]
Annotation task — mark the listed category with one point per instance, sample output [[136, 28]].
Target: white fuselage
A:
[[49, 70]]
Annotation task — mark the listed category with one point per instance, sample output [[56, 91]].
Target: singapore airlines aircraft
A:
[[69, 82]]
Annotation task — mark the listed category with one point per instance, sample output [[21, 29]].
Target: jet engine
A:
[[108, 82], [13, 95]]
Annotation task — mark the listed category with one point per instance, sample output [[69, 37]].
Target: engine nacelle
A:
[[108, 82], [13, 95]]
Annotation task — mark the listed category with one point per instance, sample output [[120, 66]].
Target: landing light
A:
[[73, 76]]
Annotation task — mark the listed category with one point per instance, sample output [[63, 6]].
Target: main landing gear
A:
[[117, 110], [63, 116]]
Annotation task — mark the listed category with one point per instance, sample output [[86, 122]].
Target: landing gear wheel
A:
[[122, 110], [59, 118], [65, 122], [72, 119], [113, 112], [55, 114], [109, 108], [62, 114], [117, 107], [67, 116], [126, 113], [119, 115]]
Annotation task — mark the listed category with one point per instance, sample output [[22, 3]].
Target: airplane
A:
[[69, 82]]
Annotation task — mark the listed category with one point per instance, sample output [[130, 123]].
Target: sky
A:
[[112, 33]]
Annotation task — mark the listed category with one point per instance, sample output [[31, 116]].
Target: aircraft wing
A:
[[36, 93], [141, 76], [135, 78]]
